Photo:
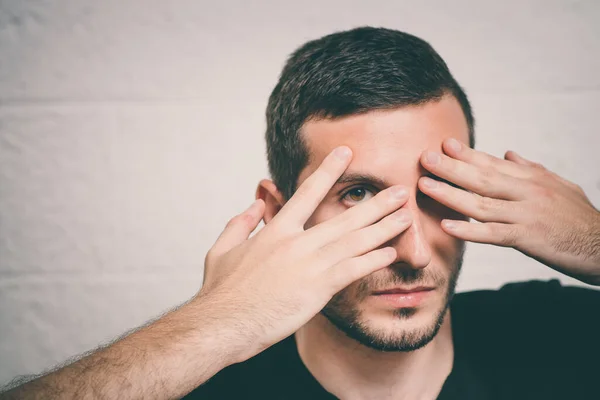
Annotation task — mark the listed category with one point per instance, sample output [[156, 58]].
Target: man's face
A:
[[386, 147]]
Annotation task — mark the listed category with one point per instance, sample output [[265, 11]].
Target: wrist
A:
[[220, 326]]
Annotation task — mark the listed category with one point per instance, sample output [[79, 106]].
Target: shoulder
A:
[[526, 340], [534, 325], [528, 296], [530, 302]]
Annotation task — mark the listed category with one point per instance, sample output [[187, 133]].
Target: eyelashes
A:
[[359, 190], [362, 192]]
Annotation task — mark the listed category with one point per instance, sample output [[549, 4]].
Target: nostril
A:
[[422, 259]]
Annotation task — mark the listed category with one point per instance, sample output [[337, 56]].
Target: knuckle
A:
[[507, 237], [210, 256], [486, 177], [540, 173], [345, 224], [238, 219], [346, 243], [373, 238], [231, 222], [294, 248], [245, 220], [490, 162], [396, 221], [485, 205], [290, 247], [542, 191], [510, 238]]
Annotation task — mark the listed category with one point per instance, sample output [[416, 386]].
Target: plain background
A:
[[131, 131]]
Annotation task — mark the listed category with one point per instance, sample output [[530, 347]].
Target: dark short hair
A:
[[347, 73]]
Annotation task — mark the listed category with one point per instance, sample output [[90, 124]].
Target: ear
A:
[[273, 198]]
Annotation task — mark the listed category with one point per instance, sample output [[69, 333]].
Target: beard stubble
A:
[[343, 312]]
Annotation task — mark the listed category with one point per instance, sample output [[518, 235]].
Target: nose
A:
[[411, 246]]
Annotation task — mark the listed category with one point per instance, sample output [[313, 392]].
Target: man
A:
[[348, 291]]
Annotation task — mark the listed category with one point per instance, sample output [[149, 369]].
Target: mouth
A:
[[400, 297], [400, 290]]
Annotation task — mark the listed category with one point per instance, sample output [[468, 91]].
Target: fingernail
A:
[[342, 152], [390, 252], [454, 144], [432, 157], [429, 183], [399, 192], [449, 224]]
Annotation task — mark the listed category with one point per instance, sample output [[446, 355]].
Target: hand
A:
[[268, 286], [520, 205]]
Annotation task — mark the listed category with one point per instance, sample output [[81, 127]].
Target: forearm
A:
[[165, 359]]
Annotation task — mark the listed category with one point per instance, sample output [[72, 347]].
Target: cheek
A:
[[446, 249]]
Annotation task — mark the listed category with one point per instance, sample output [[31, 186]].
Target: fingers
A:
[[312, 191], [365, 213], [515, 158], [481, 208], [487, 182], [364, 240], [348, 271], [462, 152], [239, 228], [498, 234], [511, 178]]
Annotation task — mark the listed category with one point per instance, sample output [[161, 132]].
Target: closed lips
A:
[[403, 291]]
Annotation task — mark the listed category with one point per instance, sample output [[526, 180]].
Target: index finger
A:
[[462, 152], [314, 189]]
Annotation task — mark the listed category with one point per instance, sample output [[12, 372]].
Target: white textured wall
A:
[[130, 131]]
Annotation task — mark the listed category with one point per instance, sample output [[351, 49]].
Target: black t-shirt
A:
[[530, 340]]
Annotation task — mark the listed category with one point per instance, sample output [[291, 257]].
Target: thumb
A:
[[239, 228]]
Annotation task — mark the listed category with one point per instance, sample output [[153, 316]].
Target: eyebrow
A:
[[365, 178], [352, 177]]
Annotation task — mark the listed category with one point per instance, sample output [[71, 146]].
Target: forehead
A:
[[386, 142]]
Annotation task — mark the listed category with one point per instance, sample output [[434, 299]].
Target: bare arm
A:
[[257, 291], [166, 359]]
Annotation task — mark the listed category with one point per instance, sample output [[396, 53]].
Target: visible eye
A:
[[357, 194]]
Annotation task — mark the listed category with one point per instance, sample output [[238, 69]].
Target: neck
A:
[[350, 370]]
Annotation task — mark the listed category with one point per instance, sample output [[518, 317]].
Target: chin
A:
[[391, 330], [394, 320]]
